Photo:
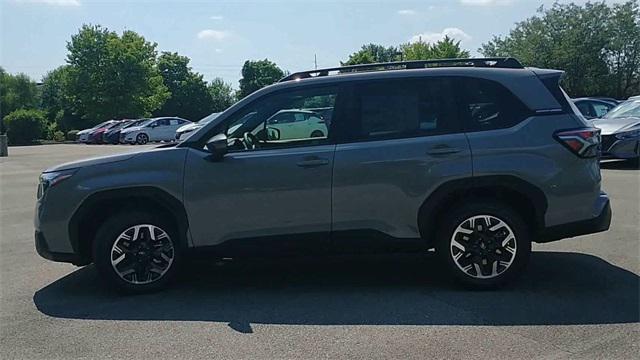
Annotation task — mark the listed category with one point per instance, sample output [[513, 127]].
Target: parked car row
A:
[[619, 123], [132, 131]]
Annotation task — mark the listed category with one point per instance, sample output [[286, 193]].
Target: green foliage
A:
[[58, 136], [258, 74], [373, 53], [24, 126], [111, 76], [446, 48], [16, 92], [49, 130], [598, 45], [222, 95], [55, 99], [190, 97], [72, 135]]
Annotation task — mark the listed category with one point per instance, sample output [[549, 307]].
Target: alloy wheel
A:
[[483, 246], [142, 254], [142, 139]]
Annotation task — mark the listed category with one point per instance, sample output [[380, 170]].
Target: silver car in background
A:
[[185, 131], [620, 129]]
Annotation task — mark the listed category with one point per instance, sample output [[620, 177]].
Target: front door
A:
[[271, 192]]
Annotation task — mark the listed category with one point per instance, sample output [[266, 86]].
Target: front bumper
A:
[[129, 138], [599, 223], [42, 248], [614, 148]]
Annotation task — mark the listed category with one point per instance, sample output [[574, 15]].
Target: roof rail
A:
[[495, 62]]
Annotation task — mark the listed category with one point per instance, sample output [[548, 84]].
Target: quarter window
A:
[[488, 105]]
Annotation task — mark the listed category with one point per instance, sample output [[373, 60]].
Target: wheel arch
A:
[[96, 208], [527, 199]]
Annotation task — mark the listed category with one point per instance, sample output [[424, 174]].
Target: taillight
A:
[[584, 142]]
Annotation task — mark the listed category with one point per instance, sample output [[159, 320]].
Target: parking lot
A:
[[578, 299]]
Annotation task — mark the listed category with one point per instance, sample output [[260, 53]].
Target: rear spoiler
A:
[[551, 80]]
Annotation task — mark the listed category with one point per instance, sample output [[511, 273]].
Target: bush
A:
[[50, 131], [24, 126], [72, 134], [58, 136]]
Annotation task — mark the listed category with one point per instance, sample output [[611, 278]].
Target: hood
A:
[[189, 127], [93, 161], [612, 126], [85, 131], [131, 129]]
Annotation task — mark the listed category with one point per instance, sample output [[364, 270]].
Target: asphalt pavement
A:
[[578, 299]]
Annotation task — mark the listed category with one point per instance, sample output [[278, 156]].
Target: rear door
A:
[[403, 140]]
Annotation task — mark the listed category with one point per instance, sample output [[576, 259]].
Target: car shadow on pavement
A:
[[558, 288]]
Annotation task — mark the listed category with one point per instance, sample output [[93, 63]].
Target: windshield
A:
[[136, 123], [102, 124], [626, 109], [207, 119]]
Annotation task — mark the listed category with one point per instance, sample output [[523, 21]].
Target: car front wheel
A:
[[142, 139], [484, 244], [137, 251]]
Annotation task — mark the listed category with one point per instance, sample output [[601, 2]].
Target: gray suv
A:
[[475, 158]]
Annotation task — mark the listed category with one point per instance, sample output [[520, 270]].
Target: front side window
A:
[[404, 108], [487, 105], [293, 118]]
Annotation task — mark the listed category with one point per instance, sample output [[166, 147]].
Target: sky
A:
[[219, 36]]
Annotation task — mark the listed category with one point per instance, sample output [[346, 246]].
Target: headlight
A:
[[51, 179], [629, 134]]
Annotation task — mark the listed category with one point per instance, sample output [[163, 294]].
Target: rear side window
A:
[[487, 105], [403, 108]]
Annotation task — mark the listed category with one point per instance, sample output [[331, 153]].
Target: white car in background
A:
[[297, 124], [185, 131], [156, 129]]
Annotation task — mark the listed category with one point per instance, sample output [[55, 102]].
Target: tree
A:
[[16, 92], [113, 76], [373, 53], [222, 95], [258, 74], [596, 44], [446, 48], [190, 97], [55, 100]]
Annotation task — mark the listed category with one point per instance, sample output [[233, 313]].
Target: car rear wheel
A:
[[142, 139], [137, 251], [484, 244]]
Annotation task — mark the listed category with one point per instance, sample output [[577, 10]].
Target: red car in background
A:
[[95, 136]]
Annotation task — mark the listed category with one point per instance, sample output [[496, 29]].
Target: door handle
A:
[[312, 161], [443, 150]]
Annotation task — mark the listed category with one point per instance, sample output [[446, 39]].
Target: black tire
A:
[[475, 248], [317, 134], [108, 234], [142, 139]]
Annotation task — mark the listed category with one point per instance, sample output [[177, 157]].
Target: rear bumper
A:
[[42, 248], [597, 224]]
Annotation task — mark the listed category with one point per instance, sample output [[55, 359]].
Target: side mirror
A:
[[273, 133], [217, 146]]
